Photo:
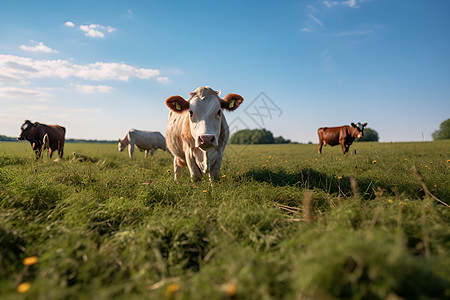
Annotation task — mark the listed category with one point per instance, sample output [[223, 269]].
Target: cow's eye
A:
[[191, 113], [219, 113]]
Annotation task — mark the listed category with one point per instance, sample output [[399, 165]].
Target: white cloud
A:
[[38, 47], [350, 33], [91, 89], [69, 24], [330, 3], [351, 3], [162, 79], [306, 29], [312, 8], [315, 19], [15, 92], [16, 68], [96, 30]]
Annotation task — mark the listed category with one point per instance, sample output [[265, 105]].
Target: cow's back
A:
[[332, 135], [56, 135], [146, 140]]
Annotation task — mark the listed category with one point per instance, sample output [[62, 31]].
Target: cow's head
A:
[[27, 131], [121, 145], [204, 107], [358, 130]]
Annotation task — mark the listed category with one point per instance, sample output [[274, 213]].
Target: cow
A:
[[143, 140], [344, 135], [42, 137], [197, 131]]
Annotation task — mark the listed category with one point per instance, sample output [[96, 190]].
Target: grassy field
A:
[[283, 222]]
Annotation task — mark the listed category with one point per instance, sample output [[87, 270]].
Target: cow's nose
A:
[[206, 139]]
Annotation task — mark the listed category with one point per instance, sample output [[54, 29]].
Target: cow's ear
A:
[[231, 101], [177, 104], [35, 124], [364, 125], [353, 124]]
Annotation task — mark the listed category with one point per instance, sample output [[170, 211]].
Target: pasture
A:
[[283, 222]]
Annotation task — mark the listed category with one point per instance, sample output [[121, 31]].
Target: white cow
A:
[[197, 130], [143, 140]]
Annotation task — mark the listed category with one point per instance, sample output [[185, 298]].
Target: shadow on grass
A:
[[309, 178]]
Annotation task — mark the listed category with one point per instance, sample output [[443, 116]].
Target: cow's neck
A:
[[125, 140]]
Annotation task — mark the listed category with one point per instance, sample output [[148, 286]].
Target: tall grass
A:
[[283, 222]]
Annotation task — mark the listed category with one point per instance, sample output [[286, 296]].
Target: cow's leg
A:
[[345, 148], [50, 152], [214, 172], [146, 153], [61, 151], [130, 149], [152, 151], [178, 166], [196, 173], [320, 147]]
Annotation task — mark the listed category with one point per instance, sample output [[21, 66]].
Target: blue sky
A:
[[100, 68]]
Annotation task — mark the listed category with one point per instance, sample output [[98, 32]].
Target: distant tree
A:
[[281, 140], [370, 135], [4, 138], [255, 136], [444, 131]]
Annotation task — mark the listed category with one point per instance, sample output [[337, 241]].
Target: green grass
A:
[[107, 227]]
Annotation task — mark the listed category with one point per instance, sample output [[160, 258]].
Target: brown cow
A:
[[197, 131], [344, 135], [43, 137]]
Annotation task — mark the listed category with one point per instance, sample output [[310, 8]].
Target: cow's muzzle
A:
[[207, 141]]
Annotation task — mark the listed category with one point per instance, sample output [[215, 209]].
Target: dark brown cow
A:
[[43, 137], [344, 135]]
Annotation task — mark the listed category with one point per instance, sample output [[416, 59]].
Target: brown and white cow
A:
[[197, 131], [43, 137], [344, 135]]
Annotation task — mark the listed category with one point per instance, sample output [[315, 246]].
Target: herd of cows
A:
[[196, 133]]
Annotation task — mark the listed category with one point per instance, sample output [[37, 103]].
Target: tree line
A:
[[256, 136]]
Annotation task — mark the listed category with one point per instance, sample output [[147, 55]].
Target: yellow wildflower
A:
[[23, 287], [205, 191], [390, 200], [28, 261], [223, 176], [171, 290], [231, 289], [374, 161], [340, 177]]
